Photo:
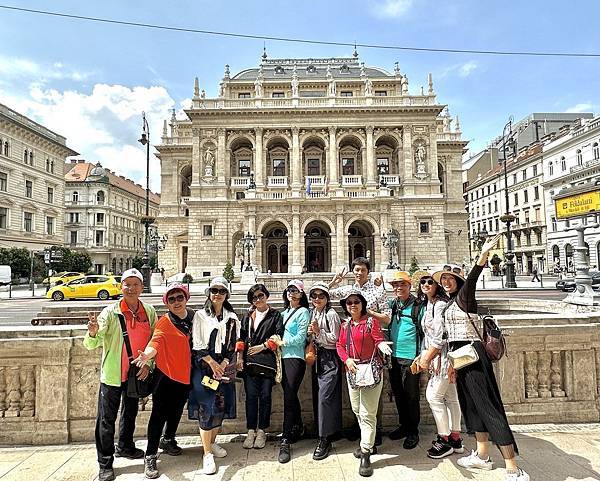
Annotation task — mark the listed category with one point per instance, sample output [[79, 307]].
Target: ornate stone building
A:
[[317, 158]]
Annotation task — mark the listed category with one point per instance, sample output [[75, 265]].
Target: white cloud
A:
[[390, 8], [579, 108], [461, 69], [15, 68]]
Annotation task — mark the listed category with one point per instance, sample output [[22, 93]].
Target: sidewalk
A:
[[548, 453]]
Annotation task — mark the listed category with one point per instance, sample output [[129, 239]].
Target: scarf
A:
[[185, 324]]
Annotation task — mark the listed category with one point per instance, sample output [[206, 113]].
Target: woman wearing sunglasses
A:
[[295, 322], [360, 338], [215, 331], [324, 330], [441, 393], [260, 364], [478, 391], [170, 345]]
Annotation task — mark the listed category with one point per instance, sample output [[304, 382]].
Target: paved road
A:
[[19, 312]]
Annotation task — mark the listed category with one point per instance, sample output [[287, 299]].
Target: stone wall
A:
[[49, 381]]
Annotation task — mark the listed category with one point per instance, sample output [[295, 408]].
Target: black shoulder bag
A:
[[136, 388]]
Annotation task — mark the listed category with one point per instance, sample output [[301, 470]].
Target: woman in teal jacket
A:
[[296, 317]]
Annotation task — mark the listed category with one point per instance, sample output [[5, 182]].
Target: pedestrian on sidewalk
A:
[[478, 392], [324, 330], [535, 277], [295, 323], [259, 372], [105, 331], [215, 331], [170, 345], [441, 393]]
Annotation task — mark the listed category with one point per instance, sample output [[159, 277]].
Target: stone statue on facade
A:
[[420, 158], [331, 86], [209, 162], [258, 87], [368, 87], [295, 83]]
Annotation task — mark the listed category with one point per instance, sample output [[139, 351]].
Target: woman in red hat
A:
[[170, 346]]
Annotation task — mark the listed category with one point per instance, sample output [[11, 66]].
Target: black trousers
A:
[[327, 392], [110, 398], [407, 395], [258, 401], [168, 399], [293, 373]]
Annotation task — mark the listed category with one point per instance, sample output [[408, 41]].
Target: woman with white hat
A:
[[478, 392], [323, 331], [215, 331], [295, 323]]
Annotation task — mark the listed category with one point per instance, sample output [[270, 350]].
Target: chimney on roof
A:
[[81, 161]]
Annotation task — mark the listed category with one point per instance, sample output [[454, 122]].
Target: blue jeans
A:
[[258, 401]]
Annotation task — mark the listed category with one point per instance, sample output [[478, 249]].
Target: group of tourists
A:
[[195, 357]]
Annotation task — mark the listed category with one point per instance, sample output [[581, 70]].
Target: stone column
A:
[[340, 239], [432, 164], [407, 158], [258, 166], [174, 181], [296, 266], [222, 164], [296, 163], [334, 176], [371, 162], [196, 164]]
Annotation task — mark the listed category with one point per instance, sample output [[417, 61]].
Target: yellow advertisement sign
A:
[[578, 204]]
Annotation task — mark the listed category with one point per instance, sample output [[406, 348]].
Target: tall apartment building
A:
[[103, 213], [316, 158], [32, 184]]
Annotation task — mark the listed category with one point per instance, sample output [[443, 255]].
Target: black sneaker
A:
[[398, 433], [284, 452], [322, 450], [457, 445], [129, 453], [358, 452], [170, 447], [439, 449], [411, 441], [150, 469], [106, 474]]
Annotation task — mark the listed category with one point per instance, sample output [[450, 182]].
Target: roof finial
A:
[[196, 88], [396, 69], [173, 118], [165, 132], [363, 73], [430, 81], [226, 74], [264, 55], [355, 53], [457, 125]]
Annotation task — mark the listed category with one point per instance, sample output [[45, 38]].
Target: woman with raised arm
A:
[[478, 391]]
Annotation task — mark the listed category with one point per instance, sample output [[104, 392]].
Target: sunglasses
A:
[[215, 290], [318, 296], [353, 303], [258, 297], [429, 282], [177, 298], [454, 269], [292, 290]]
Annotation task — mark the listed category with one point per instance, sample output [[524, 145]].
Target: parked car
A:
[[102, 287], [568, 285], [61, 278]]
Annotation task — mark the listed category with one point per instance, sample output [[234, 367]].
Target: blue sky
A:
[[91, 81]]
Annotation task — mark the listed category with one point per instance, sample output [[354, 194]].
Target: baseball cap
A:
[[132, 273]]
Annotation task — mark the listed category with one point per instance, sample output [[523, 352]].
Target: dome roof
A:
[[98, 173]]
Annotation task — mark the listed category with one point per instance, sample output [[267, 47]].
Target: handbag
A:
[[493, 339], [310, 353], [463, 356], [368, 374], [136, 388]]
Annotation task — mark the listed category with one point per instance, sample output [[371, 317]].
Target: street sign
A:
[[577, 204]]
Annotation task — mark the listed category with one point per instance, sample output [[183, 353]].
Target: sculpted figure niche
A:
[[420, 160]]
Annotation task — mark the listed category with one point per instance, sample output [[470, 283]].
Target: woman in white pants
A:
[[441, 393]]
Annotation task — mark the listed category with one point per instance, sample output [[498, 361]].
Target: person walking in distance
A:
[[535, 277], [105, 331]]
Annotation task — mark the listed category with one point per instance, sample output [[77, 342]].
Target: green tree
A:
[[71, 260], [414, 267], [19, 259], [138, 261], [228, 272]]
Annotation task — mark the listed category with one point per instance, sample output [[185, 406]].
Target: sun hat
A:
[[451, 269], [319, 286], [400, 276], [297, 283], [176, 286], [132, 273], [353, 292], [218, 281]]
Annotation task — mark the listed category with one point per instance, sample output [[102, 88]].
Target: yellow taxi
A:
[[61, 278], [100, 286]]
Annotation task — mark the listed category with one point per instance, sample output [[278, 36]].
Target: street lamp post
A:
[[509, 265], [390, 242], [249, 241], [146, 220]]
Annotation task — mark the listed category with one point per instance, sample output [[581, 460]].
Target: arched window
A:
[[556, 255], [47, 165], [25, 156], [596, 151], [441, 177], [563, 163], [75, 197], [551, 168], [579, 157], [100, 197], [31, 158], [52, 167], [6, 148]]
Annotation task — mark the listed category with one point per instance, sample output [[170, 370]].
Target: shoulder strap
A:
[[290, 316], [348, 336], [125, 336]]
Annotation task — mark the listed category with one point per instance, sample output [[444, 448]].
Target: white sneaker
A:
[[261, 439], [249, 441], [474, 461], [208, 464], [519, 476], [218, 451]]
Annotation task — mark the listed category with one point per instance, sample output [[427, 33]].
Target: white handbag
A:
[[463, 356]]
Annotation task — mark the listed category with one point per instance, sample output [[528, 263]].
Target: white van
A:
[[5, 275]]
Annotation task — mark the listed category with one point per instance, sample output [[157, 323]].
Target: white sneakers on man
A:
[[249, 441], [208, 464], [474, 461], [261, 439], [520, 475], [218, 451]]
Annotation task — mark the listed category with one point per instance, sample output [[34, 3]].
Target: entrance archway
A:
[[317, 247], [360, 241], [275, 248]]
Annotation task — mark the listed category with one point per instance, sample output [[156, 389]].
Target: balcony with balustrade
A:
[[277, 181], [390, 180], [240, 182], [351, 180]]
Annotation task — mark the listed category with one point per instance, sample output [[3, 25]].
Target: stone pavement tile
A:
[[11, 459], [40, 465], [302, 459], [267, 470], [81, 466]]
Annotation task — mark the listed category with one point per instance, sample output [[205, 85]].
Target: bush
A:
[[187, 279], [228, 272], [414, 267]]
